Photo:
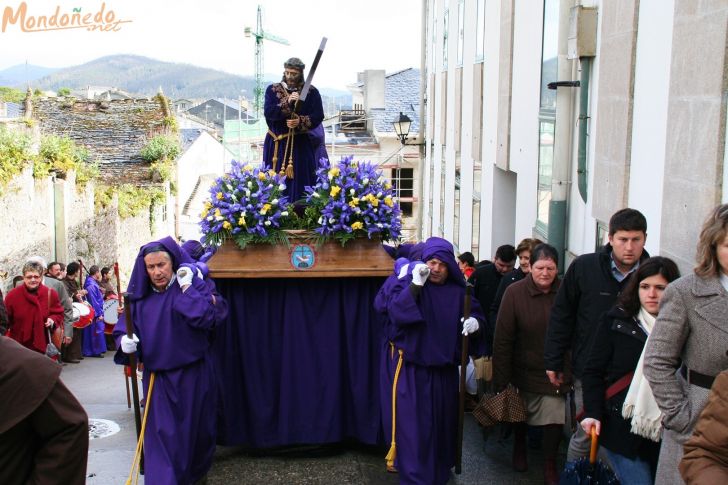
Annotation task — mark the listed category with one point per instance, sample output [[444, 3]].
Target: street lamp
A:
[[402, 127]]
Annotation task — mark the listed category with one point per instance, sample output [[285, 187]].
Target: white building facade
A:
[[637, 119]]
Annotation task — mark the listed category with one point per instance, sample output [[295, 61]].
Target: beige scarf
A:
[[640, 405]]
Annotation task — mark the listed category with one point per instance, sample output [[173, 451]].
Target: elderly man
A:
[[174, 315], [426, 307], [288, 147]]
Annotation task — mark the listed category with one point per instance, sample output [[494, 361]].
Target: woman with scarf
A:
[[628, 422], [34, 310]]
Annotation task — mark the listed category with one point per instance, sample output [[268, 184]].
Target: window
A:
[[403, 185], [547, 112], [480, 31]]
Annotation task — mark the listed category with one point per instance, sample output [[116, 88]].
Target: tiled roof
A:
[[114, 132], [188, 137], [401, 94]]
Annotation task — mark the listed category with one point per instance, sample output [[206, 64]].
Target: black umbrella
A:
[[588, 471]]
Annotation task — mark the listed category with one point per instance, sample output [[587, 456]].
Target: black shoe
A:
[[73, 361]]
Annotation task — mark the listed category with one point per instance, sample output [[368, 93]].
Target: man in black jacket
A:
[[485, 282], [590, 288]]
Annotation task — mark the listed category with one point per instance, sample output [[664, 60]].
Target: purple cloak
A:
[[174, 330], [277, 111], [94, 341], [428, 331]]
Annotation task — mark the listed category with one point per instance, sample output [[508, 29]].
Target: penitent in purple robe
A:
[[174, 330], [428, 331], [277, 111], [94, 341]]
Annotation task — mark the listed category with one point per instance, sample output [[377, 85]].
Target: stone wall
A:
[[55, 220]]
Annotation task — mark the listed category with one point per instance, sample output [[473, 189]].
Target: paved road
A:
[[99, 385]]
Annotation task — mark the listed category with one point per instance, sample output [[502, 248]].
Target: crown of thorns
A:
[[294, 63]]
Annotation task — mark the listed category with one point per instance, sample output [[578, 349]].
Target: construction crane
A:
[[260, 35]]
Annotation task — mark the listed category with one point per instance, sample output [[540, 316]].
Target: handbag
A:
[[504, 407], [51, 349], [618, 386]]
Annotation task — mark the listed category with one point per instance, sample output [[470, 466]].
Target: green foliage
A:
[[103, 194], [170, 122], [11, 95], [86, 172], [161, 171], [14, 154], [64, 92], [38, 93], [133, 200], [161, 147]]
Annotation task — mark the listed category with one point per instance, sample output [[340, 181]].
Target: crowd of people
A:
[[622, 347]]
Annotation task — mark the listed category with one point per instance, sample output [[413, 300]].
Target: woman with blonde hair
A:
[[688, 346]]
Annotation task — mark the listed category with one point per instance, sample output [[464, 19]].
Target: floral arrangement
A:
[[246, 205], [352, 199]]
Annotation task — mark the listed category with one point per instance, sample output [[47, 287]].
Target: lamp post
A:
[[402, 127]]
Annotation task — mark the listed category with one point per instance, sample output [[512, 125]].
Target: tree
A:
[[11, 95], [64, 92]]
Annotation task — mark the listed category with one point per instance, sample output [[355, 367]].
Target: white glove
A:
[[129, 345], [470, 325], [184, 276], [420, 273]]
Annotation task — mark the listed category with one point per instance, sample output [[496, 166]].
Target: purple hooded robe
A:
[[174, 330], [94, 341], [277, 111], [428, 333]]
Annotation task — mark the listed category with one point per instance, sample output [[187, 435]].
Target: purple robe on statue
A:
[[174, 330], [94, 341], [277, 111], [428, 333]]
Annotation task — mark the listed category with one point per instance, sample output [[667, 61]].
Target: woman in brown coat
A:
[[687, 347], [706, 453], [518, 351]]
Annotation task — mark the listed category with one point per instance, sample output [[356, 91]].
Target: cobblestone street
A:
[[99, 385]]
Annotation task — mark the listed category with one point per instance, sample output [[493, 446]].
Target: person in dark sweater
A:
[[523, 251], [615, 353], [485, 281], [590, 287]]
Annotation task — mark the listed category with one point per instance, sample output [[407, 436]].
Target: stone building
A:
[[636, 117]]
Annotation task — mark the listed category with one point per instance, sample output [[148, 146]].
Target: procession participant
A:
[[426, 307], [288, 148], [70, 282], [94, 342], [105, 283], [33, 309], [200, 255], [173, 316], [43, 428]]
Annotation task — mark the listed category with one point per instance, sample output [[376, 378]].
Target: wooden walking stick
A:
[[133, 368], [463, 371]]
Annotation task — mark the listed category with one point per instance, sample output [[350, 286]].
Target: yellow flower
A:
[[388, 201], [271, 173], [373, 200], [387, 186], [334, 172], [357, 225], [208, 204], [219, 196], [247, 168], [226, 225], [354, 202], [218, 215], [261, 176], [335, 189], [204, 212], [265, 209], [241, 222]]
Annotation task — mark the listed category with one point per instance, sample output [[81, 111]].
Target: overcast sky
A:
[[364, 34]]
